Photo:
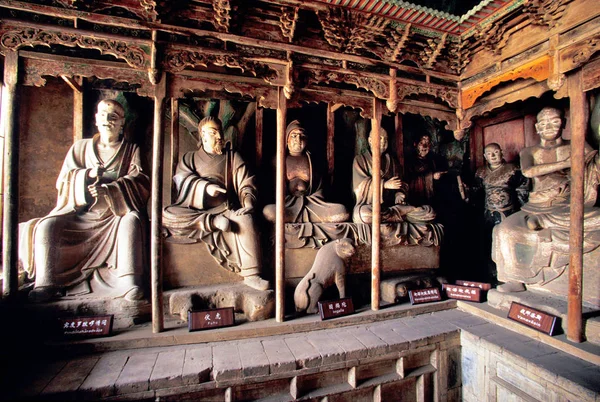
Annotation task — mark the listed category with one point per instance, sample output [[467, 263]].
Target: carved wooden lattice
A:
[[16, 39], [178, 60]]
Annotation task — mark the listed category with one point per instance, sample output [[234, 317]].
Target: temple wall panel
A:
[[46, 134]]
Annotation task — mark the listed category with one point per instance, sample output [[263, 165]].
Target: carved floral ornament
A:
[[222, 16], [378, 87], [16, 39], [179, 60], [287, 22]]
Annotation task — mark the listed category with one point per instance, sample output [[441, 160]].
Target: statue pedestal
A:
[[551, 304], [191, 264], [126, 313], [255, 304]]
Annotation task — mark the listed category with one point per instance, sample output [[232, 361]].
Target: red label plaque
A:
[[463, 292], [208, 319], [471, 284], [91, 326], [533, 318], [335, 308], [426, 295]]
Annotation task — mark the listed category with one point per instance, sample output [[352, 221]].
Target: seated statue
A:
[[305, 201], [423, 170], [532, 246], [216, 197], [94, 240], [503, 185], [393, 207]]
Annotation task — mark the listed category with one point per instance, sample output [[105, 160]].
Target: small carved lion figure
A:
[[329, 268]]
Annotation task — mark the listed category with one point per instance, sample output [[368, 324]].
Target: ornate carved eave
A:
[[15, 38], [179, 59]]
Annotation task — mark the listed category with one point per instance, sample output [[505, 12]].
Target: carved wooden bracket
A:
[[538, 69], [397, 42], [287, 22], [580, 53], [351, 32], [150, 7], [492, 37], [432, 51], [222, 15], [460, 56], [16, 39], [178, 60], [545, 12], [448, 95], [378, 87]]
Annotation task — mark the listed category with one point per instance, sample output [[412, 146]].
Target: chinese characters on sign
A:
[[471, 284], [209, 319], [335, 308], [463, 292], [86, 326], [533, 318], [424, 295]]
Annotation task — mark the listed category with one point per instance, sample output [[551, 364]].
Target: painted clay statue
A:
[[329, 268], [304, 201], [504, 186], [216, 197], [531, 247], [394, 207], [94, 240], [422, 171]]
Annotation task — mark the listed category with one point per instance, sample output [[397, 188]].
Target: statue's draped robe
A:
[[362, 183], [504, 188], [419, 175], [540, 256], [84, 239], [192, 213]]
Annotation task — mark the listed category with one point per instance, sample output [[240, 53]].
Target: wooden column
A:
[[280, 209], [259, 121], [578, 120], [156, 205], [376, 225], [76, 85], [10, 230], [399, 137], [330, 142], [174, 146]]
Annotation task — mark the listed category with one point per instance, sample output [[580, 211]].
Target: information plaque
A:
[[199, 320], [335, 308], [86, 326], [471, 284], [426, 295], [533, 318], [463, 292]]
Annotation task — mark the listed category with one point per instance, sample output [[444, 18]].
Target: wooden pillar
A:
[[376, 225], [399, 139], [578, 120], [156, 205], [259, 121], [174, 147], [280, 209], [76, 85], [10, 230], [330, 142]]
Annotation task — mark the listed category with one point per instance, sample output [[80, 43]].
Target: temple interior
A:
[[277, 200]]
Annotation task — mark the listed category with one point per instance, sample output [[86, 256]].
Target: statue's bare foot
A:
[[221, 223], [41, 295], [134, 294], [511, 287], [256, 282]]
